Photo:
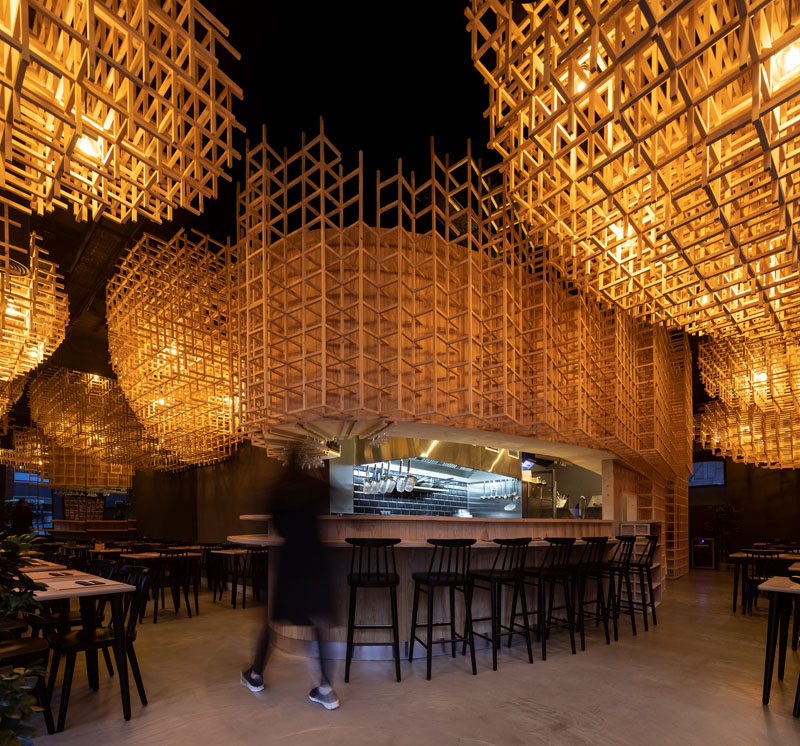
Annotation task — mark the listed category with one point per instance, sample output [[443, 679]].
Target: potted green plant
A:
[[17, 703]]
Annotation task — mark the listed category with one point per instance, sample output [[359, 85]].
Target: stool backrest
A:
[[371, 557], [648, 550], [450, 556], [558, 551], [510, 555], [138, 576], [593, 551], [623, 552]]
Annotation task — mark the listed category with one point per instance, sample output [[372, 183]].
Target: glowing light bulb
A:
[[580, 86], [91, 147], [785, 65]]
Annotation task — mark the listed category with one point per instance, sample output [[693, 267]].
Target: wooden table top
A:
[[271, 540], [108, 550], [153, 555], [780, 584], [794, 567], [42, 566], [229, 551], [79, 587]]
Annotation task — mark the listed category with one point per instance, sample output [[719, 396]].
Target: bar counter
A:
[[412, 555]]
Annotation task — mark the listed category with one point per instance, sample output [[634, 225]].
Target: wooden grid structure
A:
[[169, 336], [114, 107], [742, 373], [33, 305], [10, 392], [433, 311], [64, 468], [88, 413], [651, 148], [751, 436]]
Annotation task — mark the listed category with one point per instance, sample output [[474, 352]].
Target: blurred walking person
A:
[[302, 589]]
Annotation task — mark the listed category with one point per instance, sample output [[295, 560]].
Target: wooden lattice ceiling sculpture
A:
[[749, 435], [168, 331], [87, 413], [33, 305], [116, 107], [744, 373], [430, 313], [652, 148]]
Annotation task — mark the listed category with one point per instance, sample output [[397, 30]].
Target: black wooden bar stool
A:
[[372, 565], [505, 571], [448, 569], [618, 570], [554, 571], [643, 565], [590, 568]]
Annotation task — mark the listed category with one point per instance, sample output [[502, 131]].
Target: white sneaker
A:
[[329, 701], [253, 681]]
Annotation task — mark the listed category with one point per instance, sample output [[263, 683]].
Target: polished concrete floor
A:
[[694, 679]]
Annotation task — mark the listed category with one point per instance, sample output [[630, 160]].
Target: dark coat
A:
[[302, 589]]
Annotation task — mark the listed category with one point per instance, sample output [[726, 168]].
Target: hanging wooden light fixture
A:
[[651, 148], [114, 107], [169, 336], [87, 413], [33, 306]]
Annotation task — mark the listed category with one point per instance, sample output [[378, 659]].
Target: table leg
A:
[[785, 614], [772, 636], [235, 578], [796, 623], [736, 567], [120, 653], [89, 621]]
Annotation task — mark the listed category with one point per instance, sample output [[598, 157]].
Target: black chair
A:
[[643, 566], [759, 565], [69, 644], [618, 570], [449, 570], [504, 572], [553, 572], [372, 565], [590, 568], [256, 569], [31, 652]]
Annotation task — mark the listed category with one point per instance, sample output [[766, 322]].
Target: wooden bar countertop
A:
[[416, 530]]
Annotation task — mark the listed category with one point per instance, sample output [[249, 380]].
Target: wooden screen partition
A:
[[169, 337], [435, 309], [114, 107], [72, 469], [654, 166]]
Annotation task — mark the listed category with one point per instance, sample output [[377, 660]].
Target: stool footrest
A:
[[373, 626]]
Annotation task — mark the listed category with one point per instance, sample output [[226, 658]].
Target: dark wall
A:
[[165, 505], [754, 504], [236, 486]]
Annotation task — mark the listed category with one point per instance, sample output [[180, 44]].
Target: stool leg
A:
[[612, 606], [395, 631], [796, 710], [631, 608], [581, 600], [429, 646], [602, 608], [643, 590], [44, 702], [542, 632], [414, 610], [551, 600], [469, 636], [570, 614], [493, 605], [453, 620], [652, 596], [351, 620], [513, 621], [526, 627]]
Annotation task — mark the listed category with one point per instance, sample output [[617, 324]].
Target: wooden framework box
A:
[[114, 107], [169, 336], [435, 312], [651, 147]]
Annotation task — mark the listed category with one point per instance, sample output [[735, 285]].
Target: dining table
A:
[[61, 585], [782, 592]]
